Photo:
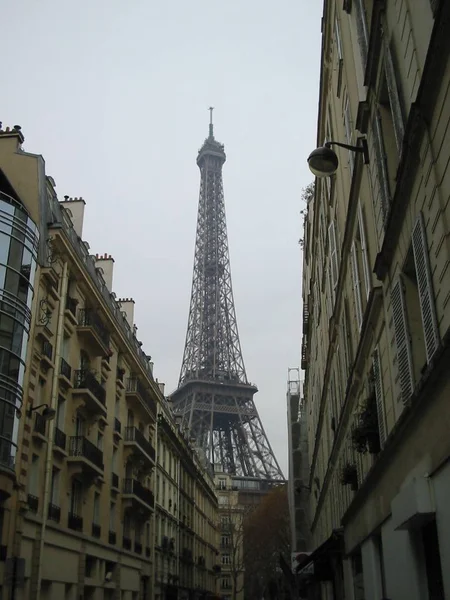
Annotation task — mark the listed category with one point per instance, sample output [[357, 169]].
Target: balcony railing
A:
[[96, 530], [80, 446], [126, 543], [54, 513], [305, 317], [33, 503], [60, 439], [85, 379], [114, 480], [89, 318], [75, 522], [117, 426], [134, 386], [65, 369], [71, 305], [39, 424], [132, 486], [7, 453], [47, 349], [112, 537], [132, 434]]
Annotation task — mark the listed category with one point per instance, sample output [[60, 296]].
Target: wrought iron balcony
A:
[[33, 503], [136, 392], [94, 394], [112, 537], [139, 495], [75, 522], [54, 513], [84, 453], [96, 530], [65, 370], [60, 439], [304, 358], [305, 317], [135, 439], [91, 327]]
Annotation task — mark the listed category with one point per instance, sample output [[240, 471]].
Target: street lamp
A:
[[47, 414], [323, 161]]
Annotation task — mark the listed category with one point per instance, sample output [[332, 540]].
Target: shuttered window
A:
[[403, 340], [333, 254], [380, 157], [364, 253], [425, 286], [378, 384], [394, 98], [356, 284]]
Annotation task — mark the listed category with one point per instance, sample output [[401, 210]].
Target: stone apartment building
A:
[[376, 288], [186, 535], [78, 409]]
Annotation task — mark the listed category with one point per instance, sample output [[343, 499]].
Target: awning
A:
[[318, 562]]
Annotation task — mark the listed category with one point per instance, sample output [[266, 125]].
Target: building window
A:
[[226, 560], [414, 310], [222, 484], [112, 516], [33, 488], [76, 498], [340, 56], [100, 440], [349, 131], [96, 509], [377, 382], [54, 493], [334, 258], [358, 581], [433, 566]]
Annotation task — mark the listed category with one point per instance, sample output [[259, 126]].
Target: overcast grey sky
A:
[[114, 95]]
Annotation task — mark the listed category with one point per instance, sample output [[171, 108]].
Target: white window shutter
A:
[[403, 341], [365, 253], [329, 293], [333, 254], [425, 285], [378, 384], [356, 285]]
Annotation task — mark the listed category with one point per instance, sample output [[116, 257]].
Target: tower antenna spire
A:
[[211, 126]]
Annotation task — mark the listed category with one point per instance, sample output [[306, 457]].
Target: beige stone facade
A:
[[79, 415], [186, 535], [376, 288]]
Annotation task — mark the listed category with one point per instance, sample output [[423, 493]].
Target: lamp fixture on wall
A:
[[323, 161]]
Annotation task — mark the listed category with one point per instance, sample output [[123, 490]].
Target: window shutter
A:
[[365, 253], [333, 254], [356, 285], [425, 285], [329, 293], [404, 358], [380, 157], [378, 384]]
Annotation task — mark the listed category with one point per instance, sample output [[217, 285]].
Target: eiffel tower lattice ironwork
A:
[[214, 397]]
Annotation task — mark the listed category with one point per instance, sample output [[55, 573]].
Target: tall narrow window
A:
[[378, 386], [33, 486], [61, 413], [54, 493], [76, 498], [403, 340], [112, 516], [349, 131], [425, 287], [333, 254], [364, 253], [356, 284], [96, 509], [340, 55]]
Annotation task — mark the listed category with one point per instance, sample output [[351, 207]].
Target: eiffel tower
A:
[[214, 398]]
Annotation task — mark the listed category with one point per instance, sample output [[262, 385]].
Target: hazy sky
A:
[[114, 95]]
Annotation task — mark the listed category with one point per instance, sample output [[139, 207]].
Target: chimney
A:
[[105, 262], [75, 206], [13, 132], [127, 305]]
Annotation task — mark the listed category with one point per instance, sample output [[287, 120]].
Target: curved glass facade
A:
[[19, 238]]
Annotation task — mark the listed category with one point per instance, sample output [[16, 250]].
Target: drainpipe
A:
[[35, 593]]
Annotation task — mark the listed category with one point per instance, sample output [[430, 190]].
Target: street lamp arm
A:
[[362, 148]]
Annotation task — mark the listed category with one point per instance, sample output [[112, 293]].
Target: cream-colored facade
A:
[[376, 288], [79, 413], [186, 537]]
